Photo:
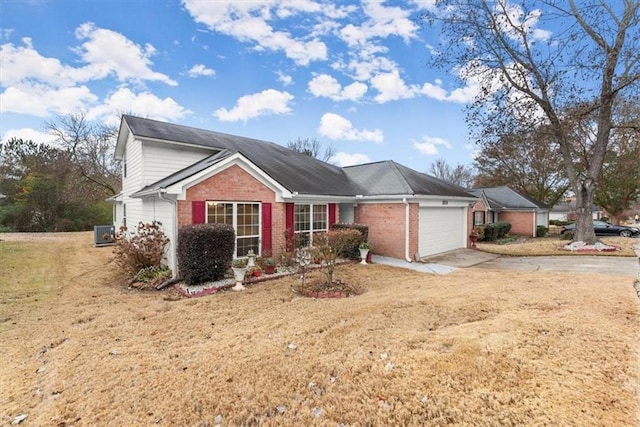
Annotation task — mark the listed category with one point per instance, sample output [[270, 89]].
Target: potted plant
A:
[[239, 267], [474, 237], [256, 271], [269, 266], [364, 248]]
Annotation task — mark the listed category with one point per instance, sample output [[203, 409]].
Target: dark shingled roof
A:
[[391, 178], [295, 171], [506, 198]]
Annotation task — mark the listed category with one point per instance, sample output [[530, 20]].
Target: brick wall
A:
[[522, 223], [235, 185], [386, 223]]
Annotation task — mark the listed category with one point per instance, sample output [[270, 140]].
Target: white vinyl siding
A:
[[441, 230], [161, 160], [133, 159], [347, 213], [542, 218]]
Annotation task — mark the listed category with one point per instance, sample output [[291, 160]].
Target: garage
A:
[[441, 230]]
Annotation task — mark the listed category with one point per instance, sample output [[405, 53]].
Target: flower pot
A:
[[239, 273], [269, 269], [363, 255], [474, 240]]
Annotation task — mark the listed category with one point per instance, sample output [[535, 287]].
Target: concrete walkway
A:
[[465, 258]]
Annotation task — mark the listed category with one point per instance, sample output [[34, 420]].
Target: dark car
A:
[[605, 229]]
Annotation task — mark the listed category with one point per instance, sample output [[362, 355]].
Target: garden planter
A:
[[238, 275], [364, 253], [270, 269]]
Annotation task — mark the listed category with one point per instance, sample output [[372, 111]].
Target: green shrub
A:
[[352, 252], [142, 248], [479, 229], [541, 231], [496, 230], [559, 222], [205, 252]]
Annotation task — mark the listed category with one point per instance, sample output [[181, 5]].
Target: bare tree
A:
[[312, 147], [534, 61], [91, 148], [459, 174]]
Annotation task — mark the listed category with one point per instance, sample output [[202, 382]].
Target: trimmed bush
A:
[[496, 230], [353, 252], [205, 252], [541, 231], [559, 222]]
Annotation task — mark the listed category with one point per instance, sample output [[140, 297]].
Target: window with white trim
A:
[[244, 217], [309, 219]]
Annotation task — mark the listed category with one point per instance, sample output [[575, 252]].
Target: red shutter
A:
[[332, 214], [288, 224], [266, 229], [198, 212]]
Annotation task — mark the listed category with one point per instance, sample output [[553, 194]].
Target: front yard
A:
[[470, 348]]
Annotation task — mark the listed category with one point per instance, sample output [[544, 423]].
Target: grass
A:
[[470, 348], [553, 245]]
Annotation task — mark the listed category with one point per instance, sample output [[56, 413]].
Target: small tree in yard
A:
[[331, 245], [142, 248]]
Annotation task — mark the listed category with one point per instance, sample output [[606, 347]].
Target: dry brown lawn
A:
[[553, 245], [470, 348]]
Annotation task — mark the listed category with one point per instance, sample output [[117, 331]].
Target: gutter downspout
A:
[[174, 231], [407, 257]]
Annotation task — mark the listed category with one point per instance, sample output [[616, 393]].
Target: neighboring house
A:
[[566, 211], [505, 204], [181, 175]]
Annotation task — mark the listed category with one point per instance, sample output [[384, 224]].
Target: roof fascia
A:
[[236, 159], [123, 136], [182, 144]]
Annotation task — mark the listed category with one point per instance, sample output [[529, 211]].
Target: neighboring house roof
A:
[[297, 172], [570, 207], [504, 197], [390, 178]]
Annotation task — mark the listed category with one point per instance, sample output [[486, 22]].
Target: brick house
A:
[[180, 175], [505, 204]]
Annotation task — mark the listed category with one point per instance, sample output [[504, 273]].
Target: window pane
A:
[[220, 213], [302, 218], [245, 244], [319, 217]]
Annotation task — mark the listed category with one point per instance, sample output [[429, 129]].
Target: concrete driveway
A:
[[466, 258]]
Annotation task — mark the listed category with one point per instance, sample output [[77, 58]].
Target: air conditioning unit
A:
[[104, 235]]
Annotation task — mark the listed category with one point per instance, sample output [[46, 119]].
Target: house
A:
[[566, 211], [505, 204], [180, 175]]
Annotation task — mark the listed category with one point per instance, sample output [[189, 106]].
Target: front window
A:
[[478, 218], [245, 220], [309, 219]]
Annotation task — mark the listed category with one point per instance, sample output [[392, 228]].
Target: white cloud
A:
[[265, 103], [285, 79], [249, 21], [199, 70], [143, 104], [107, 52], [382, 22], [392, 87], [327, 86], [29, 134], [42, 100], [345, 159], [335, 127], [430, 145]]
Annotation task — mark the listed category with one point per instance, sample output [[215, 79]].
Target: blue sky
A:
[[350, 74]]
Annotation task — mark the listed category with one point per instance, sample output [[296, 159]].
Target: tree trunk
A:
[[584, 217]]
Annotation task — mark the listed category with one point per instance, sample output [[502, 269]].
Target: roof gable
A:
[[504, 197], [391, 178]]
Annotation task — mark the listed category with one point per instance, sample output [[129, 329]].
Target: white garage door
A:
[[441, 230]]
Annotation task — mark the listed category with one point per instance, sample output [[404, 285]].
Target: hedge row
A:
[[353, 252]]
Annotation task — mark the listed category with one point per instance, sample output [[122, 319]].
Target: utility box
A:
[[104, 235]]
